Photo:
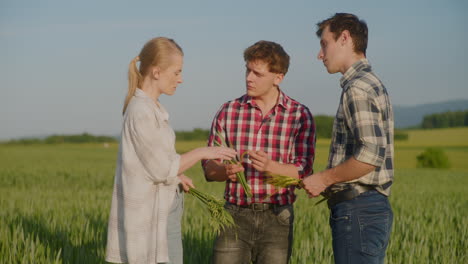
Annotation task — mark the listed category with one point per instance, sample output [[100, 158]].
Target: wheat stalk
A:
[[220, 219], [283, 181], [239, 175]]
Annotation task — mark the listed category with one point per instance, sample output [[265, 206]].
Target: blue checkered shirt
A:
[[363, 127]]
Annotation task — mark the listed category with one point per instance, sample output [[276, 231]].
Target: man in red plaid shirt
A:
[[277, 134]]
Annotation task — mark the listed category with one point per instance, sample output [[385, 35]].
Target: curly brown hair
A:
[[269, 52]]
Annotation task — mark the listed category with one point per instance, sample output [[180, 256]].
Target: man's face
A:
[[331, 52], [259, 80]]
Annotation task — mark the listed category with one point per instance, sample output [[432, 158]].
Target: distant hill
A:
[[410, 116]]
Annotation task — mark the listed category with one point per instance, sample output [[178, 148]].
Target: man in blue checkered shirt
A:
[[357, 180]]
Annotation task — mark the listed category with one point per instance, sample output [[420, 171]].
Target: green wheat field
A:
[[55, 200]]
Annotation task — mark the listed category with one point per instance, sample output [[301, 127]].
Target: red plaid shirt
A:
[[286, 134]]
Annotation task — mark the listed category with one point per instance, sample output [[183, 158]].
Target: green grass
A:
[[440, 137], [55, 202], [453, 141]]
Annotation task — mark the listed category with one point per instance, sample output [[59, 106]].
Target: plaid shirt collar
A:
[[283, 100], [353, 71]]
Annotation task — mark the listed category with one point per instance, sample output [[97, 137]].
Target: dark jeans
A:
[[260, 236], [361, 228]]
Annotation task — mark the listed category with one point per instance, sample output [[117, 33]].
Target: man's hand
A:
[[315, 184], [262, 163], [231, 170], [260, 160], [349, 170], [220, 172]]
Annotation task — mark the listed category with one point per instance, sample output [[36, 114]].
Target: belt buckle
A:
[[258, 206], [348, 193]]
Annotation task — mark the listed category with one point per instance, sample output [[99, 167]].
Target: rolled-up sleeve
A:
[[304, 145], [364, 118], [216, 129], [149, 142]]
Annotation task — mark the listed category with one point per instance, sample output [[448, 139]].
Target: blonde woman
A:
[[147, 203]]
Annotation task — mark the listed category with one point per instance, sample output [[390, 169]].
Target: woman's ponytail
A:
[[134, 79]]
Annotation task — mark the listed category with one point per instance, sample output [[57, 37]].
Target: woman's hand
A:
[[222, 153], [186, 182]]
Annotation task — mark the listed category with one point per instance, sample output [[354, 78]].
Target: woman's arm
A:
[[189, 159]]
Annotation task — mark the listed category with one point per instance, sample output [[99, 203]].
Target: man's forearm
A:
[[349, 170], [215, 171], [283, 169]]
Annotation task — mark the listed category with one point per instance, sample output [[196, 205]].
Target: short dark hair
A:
[[342, 21], [269, 52]]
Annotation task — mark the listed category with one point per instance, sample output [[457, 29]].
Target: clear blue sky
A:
[[63, 64]]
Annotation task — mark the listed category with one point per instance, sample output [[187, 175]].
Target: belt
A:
[[347, 194], [256, 206]]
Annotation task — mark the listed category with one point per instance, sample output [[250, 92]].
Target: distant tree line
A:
[[446, 119], [324, 128], [83, 138], [196, 134], [56, 139], [323, 123]]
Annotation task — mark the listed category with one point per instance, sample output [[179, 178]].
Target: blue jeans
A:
[[361, 228], [174, 230]]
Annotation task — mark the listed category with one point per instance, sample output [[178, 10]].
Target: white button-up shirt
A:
[[144, 186]]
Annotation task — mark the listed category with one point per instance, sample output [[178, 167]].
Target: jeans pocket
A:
[[340, 225], [375, 232], [285, 216]]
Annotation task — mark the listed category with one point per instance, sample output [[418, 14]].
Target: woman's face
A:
[[171, 77]]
